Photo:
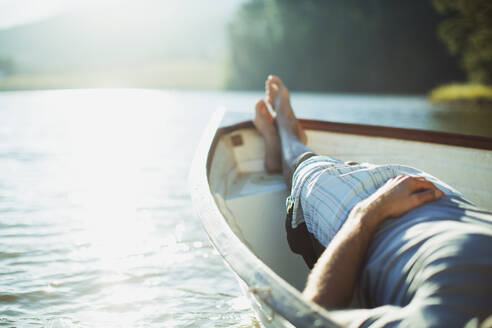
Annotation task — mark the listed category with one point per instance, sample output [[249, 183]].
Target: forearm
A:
[[333, 279], [332, 282]]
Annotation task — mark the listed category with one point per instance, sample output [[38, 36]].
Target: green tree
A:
[[467, 32], [339, 45]]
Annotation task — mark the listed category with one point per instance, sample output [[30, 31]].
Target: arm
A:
[[332, 281]]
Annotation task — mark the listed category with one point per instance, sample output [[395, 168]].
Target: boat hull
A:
[[243, 208]]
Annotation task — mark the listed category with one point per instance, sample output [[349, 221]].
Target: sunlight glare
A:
[[108, 147]]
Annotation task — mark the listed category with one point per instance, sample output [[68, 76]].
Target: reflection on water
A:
[[96, 226], [470, 121], [405, 112]]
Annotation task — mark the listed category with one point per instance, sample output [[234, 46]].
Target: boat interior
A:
[[253, 202]]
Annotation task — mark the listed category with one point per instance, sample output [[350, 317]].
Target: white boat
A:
[[243, 208]]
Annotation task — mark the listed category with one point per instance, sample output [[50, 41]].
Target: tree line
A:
[[467, 33], [347, 45]]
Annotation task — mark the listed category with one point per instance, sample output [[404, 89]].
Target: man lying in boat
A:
[[404, 244]]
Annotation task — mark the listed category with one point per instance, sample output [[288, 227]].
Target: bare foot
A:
[[278, 97], [265, 123]]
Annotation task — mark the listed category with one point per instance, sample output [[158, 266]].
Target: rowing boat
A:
[[242, 208]]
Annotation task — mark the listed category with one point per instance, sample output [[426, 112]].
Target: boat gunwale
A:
[[220, 233], [428, 136], [286, 301]]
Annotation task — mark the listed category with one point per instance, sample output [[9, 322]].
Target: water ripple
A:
[[96, 226]]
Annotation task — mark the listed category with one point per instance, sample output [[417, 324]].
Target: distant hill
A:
[[100, 38]]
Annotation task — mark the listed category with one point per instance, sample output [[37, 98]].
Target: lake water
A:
[[96, 223]]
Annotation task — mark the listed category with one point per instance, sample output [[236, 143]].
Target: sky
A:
[[152, 43], [20, 12], [100, 30]]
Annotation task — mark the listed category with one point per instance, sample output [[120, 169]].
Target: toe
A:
[[260, 107], [274, 79], [270, 100], [262, 111], [272, 90]]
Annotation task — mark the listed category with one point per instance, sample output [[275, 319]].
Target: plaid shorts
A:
[[324, 191]]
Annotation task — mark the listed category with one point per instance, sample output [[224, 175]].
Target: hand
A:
[[334, 277], [398, 196]]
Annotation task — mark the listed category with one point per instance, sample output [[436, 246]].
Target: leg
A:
[[292, 136], [264, 123], [285, 156]]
